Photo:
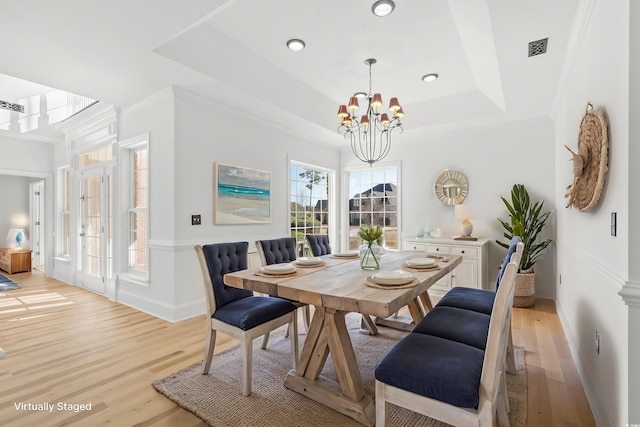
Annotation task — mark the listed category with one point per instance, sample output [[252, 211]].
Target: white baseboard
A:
[[160, 309]]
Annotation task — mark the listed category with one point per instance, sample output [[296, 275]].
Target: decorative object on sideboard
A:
[[451, 187], [463, 213], [527, 222], [16, 236], [590, 162], [371, 247], [370, 136]]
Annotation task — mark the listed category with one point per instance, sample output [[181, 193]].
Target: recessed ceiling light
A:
[[383, 7], [428, 78], [296, 45], [360, 95]]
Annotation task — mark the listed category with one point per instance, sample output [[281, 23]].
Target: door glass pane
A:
[[92, 226]]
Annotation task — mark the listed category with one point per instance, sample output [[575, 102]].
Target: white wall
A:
[[594, 264], [14, 208], [25, 157], [493, 158], [188, 134], [31, 160]]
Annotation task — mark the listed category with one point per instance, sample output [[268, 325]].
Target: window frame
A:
[[345, 187], [331, 199], [64, 188], [127, 149]]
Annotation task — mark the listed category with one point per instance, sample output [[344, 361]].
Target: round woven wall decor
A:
[[590, 162]]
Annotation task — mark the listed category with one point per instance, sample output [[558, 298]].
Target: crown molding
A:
[[630, 293]]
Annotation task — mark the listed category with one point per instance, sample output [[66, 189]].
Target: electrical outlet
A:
[[597, 342], [196, 220]]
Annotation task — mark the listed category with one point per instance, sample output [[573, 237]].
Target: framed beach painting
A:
[[241, 195]]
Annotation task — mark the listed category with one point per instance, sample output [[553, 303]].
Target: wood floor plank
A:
[[65, 344]]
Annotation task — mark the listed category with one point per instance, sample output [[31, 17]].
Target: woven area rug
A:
[[7, 284], [217, 398]]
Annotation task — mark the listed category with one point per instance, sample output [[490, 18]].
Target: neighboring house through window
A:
[[374, 194]]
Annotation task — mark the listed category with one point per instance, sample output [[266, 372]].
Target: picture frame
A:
[[241, 195]]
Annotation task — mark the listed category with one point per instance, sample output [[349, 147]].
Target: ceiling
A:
[[234, 51]]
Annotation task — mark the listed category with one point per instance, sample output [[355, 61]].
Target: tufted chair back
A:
[[276, 251], [319, 244], [223, 258], [513, 246]]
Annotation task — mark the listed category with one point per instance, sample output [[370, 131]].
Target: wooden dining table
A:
[[337, 287]]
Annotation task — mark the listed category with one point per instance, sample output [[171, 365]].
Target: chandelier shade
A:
[[370, 135]]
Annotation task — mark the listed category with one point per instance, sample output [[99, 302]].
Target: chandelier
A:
[[370, 136]]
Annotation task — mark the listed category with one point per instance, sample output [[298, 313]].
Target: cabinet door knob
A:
[[461, 251]]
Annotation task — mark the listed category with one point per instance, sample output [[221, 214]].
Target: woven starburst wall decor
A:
[[590, 162]]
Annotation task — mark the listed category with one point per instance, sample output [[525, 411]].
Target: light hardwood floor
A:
[[68, 345]]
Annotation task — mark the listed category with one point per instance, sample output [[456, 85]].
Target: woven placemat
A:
[[421, 270], [354, 256], [369, 282], [316, 265], [263, 274]]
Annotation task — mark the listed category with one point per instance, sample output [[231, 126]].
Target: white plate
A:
[[346, 255], [306, 260], [421, 262], [396, 277], [278, 268]]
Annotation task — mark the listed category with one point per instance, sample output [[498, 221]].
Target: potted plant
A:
[[525, 221], [371, 248]]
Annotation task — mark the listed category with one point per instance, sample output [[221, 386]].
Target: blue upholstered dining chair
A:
[[319, 244], [280, 251], [237, 312]]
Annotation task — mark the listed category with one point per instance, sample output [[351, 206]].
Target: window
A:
[[134, 172], [64, 212], [374, 194], [138, 210], [310, 202]]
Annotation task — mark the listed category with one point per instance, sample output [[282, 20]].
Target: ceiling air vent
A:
[[538, 47], [5, 105]]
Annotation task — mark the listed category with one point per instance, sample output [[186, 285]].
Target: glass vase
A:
[[370, 256]]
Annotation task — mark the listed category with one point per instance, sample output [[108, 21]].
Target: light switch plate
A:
[[614, 223], [196, 220]]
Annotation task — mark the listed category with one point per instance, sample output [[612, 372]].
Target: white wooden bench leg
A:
[[382, 407], [247, 365]]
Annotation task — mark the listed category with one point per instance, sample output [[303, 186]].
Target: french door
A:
[[37, 224], [94, 239]]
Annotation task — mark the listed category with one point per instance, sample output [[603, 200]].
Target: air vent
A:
[[538, 47], [11, 106]]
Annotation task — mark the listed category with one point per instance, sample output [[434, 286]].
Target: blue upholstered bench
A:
[[450, 366], [480, 300]]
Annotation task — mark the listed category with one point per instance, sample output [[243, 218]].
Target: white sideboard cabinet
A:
[[472, 271]]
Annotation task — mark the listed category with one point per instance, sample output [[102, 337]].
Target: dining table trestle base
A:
[[329, 393]]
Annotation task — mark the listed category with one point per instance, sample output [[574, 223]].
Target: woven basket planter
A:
[[525, 292]]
